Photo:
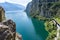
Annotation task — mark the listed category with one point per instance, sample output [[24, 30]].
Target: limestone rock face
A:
[[18, 37], [41, 7], [2, 14], [8, 31], [28, 8], [7, 28]]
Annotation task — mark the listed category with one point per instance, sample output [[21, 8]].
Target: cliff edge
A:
[[7, 28]]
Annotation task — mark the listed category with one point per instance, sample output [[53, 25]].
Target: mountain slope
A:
[[28, 8], [11, 7]]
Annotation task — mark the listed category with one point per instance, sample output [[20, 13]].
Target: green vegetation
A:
[[54, 9], [51, 28]]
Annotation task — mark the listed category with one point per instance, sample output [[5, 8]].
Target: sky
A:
[[21, 2]]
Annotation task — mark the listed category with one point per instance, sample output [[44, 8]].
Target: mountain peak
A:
[[6, 2]]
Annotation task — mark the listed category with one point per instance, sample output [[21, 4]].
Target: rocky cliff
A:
[[8, 31], [2, 15], [7, 28], [47, 10], [28, 8], [42, 8]]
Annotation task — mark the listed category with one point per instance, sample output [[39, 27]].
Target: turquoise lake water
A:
[[29, 28]]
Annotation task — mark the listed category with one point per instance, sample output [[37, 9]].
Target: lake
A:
[[29, 28]]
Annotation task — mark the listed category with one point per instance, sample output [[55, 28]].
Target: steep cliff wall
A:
[[28, 8], [8, 31], [42, 8], [2, 15], [7, 28], [49, 9]]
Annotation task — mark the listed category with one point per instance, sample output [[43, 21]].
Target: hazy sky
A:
[[22, 2]]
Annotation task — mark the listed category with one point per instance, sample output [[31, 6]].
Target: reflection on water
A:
[[30, 29], [40, 28]]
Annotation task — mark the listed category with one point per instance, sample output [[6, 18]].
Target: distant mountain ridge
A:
[[11, 7]]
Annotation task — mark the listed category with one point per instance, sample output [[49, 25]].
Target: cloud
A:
[[2, 1], [22, 2]]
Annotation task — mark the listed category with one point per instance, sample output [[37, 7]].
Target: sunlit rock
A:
[[8, 31], [7, 28], [2, 15]]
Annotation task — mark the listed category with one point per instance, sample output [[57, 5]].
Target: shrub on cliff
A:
[[52, 29]]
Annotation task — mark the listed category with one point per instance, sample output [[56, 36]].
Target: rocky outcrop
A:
[[2, 15], [7, 28], [18, 37], [41, 7]]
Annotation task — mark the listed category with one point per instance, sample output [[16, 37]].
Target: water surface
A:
[[29, 28]]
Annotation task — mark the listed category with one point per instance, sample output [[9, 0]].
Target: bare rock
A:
[[8, 31], [7, 28], [2, 14], [18, 36]]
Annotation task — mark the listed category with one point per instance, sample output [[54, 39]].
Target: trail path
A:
[[58, 28]]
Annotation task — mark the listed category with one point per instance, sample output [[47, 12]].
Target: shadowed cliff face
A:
[[28, 8], [42, 8]]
